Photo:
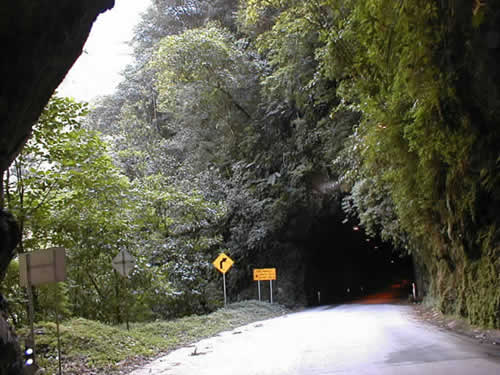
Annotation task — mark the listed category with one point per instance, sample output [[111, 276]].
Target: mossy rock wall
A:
[[463, 243], [471, 289], [481, 292]]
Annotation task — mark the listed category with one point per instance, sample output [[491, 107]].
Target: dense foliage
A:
[[66, 191], [293, 106], [420, 166], [242, 122]]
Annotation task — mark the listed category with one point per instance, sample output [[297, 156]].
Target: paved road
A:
[[369, 337]]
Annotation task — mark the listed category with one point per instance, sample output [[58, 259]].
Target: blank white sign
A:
[[42, 266]]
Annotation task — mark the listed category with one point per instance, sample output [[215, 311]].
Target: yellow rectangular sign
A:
[[263, 274]]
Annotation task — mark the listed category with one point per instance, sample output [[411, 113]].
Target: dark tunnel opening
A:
[[344, 263]]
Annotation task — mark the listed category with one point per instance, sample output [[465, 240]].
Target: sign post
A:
[[224, 286], [31, 310], [265, 274], [37, 268], [58, 334], [223, 263], [124, 263], [271, 289]]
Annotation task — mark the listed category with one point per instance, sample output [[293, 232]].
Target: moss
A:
[[483, 293], [471, 290]]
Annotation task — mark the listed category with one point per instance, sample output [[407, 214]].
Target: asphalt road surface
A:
[[372, 336]]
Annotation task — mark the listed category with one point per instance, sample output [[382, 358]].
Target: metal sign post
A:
[[223, 263], [125, 304], [271, 289], [58, 333], [124, 263], [38, 268], [258, 287], [224, 285], [31, 311]]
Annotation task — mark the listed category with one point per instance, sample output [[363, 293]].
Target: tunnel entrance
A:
[[343, 263]]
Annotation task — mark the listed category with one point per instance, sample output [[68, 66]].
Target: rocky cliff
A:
[[41, 39]]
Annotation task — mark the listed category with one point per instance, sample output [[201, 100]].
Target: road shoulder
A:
[[454, 324]]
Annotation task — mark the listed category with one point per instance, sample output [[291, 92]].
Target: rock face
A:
[[9, 233], [464, 266], [41, 39], [10, 360]]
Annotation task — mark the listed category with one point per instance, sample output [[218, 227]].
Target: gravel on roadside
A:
[[455, 324]]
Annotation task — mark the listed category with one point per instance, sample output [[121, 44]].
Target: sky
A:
[[106, 53]]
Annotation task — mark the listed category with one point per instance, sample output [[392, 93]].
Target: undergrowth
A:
[[90, 347]]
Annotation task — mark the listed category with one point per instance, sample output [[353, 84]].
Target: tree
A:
[[178, 235], [31, 183], [305, 104], [63, 187], [207, 85]]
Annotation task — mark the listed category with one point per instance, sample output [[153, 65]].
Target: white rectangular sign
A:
[[42, 266]]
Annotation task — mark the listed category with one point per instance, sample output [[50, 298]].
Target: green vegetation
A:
[[90, 347], [66, 191], [414, 162], [241, 122]]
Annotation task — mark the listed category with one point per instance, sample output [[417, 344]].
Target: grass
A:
[[90, 347]]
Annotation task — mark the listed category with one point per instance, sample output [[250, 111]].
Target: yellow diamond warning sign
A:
[[261, 274], [223, 263]]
